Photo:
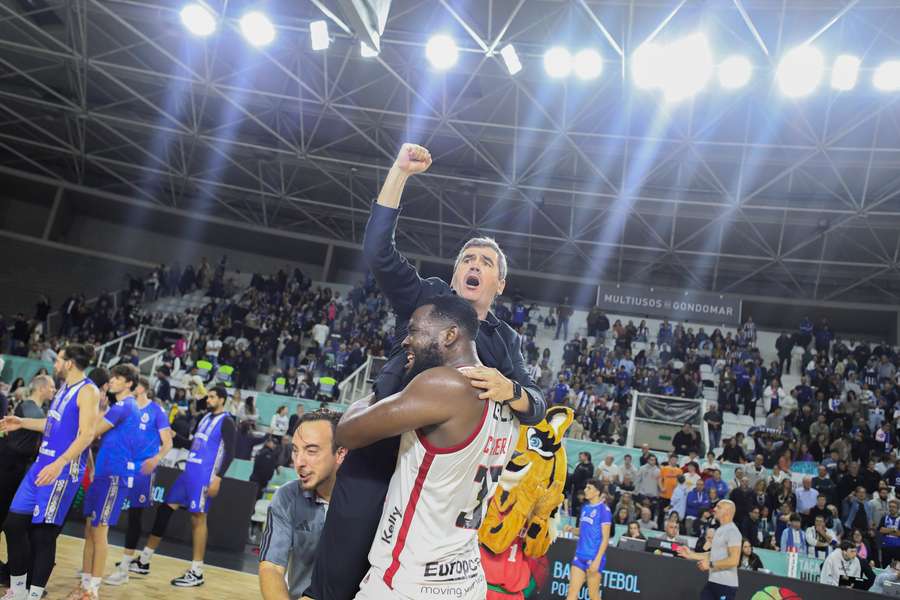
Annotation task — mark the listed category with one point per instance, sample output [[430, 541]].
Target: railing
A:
[[353, 387], [151, 343], [119, 343]]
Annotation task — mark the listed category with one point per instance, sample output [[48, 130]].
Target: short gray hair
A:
[[39, 381], [484, 242]]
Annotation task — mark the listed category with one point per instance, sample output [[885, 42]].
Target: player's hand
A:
[[703, 565], [10, 423], [148, 465], [496, 387], [595, 566], [213, 490], [49, 474], [413, 159]]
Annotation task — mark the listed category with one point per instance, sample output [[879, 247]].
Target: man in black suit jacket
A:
[[479, 276]]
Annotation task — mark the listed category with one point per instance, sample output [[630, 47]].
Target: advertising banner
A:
[[695, 307], [629, 575]]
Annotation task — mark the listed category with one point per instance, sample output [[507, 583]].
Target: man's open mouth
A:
[[472, 282]]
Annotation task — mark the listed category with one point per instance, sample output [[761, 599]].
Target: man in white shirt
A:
[[819, 539], [627, 469], [608, 470], [320, 332], [806, 497], [842, 562], [213, 346]]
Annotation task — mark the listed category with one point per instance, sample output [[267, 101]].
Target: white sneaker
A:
[[119, 577], [9, 595]]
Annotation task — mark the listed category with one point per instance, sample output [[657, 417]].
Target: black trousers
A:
[[12, 471], [715, 591], [342, 556]]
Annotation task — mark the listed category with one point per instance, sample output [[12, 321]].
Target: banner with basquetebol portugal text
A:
[[698, 307]]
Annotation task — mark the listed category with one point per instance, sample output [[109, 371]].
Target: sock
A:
[[125, 562], [85, 581], [95, 583], [197, 567], [17, 585], [146, 554], [36, 593]]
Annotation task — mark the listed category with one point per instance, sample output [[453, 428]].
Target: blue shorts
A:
[[585, 563], [189, 493], [47, 504], [105, 499], [141, 493]]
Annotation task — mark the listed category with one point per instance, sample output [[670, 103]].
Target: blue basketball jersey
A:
[[123, 448], [61, 427], [590, 532]]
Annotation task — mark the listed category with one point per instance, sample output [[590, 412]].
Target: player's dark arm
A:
[[397, 279], [426, 401], [229, 433], [531, 409]]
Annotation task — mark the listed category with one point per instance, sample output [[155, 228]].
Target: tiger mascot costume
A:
[[520, 522]]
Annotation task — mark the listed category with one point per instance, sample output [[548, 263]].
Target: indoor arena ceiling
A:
[[736, 192]]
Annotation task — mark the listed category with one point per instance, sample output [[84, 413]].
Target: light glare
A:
[[800, 71], [442, 52], [588, 64], [735, 72], [257, 29], [198, 20], [511, 59], [845, 72], [558, 62], [366, 52], [318, 34], [648, 66], [689, 69], [887, 76]]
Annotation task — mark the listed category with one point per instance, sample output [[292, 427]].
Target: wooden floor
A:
[[220, 583]]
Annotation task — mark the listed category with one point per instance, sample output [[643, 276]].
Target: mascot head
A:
[[531, 488]]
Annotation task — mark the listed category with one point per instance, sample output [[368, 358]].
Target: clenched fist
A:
[[413, 159]]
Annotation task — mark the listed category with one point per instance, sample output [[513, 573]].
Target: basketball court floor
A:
[[239, 581]]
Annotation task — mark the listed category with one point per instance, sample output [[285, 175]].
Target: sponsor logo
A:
[[387, 534], [496, 446], [142, 498], [37, 510], [453, 570], [773, 592], [193, 504], [145, 418]]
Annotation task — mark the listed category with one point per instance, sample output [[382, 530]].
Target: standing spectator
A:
[[563, 312], [264, 466], [806, 500], [648, 479], [278, 426], [889, 528], [793, 537], [163, 391], [296, 418], [784, 345], [713, 418], [819, 539], [320, 333], [608, 470]]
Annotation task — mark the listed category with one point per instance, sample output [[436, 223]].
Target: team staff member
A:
[[479, 276], [723, 558], [297, 513], [593, 540]]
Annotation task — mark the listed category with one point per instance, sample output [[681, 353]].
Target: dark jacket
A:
[[498, 345]]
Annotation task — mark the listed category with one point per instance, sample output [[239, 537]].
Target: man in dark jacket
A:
[[583, 471], [362, 482], [264, 466]]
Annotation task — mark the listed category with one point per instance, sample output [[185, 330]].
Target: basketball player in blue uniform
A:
[[46, 494], [212, 451], [121, 448], [154, 428], [593, 539]]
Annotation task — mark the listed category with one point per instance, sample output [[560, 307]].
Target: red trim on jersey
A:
[[438, 450], [407, 518]]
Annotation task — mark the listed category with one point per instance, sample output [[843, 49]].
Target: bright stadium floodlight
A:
[[198, 20], [887, 76], [366, 52], [318, 34], [442, 52], [511, 59], [689, 67], [558, 62], [257, 29], [588, 64], [844, 72], [735, 72], [648, 66], [800, 71]]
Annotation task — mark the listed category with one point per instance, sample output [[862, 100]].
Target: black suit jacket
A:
[[498, 345]]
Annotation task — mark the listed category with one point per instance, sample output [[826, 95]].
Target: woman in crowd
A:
[[634, 531], [749, 559]]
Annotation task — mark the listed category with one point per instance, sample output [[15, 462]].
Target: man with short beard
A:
[[479, 276], [287, 551]]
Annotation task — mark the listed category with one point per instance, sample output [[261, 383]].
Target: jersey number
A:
[[472, 518]]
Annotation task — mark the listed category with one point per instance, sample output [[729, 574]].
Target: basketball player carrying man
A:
[[156, 433], [46, 494], [453, 448], [121, 448], [723, 558], [593, 540], [212, 451], [362, 481]]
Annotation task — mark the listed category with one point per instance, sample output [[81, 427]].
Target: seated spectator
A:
[[820, 540], [634, 531], [704, 542], [842, 562], [646, 520], [716, 482], [749, 560], [671, 530], [278, 426], [891, 573]]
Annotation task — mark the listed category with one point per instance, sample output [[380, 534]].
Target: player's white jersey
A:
[[426, 545]]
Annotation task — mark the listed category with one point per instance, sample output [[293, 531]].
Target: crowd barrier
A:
[[629, 575], [26, 368]]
